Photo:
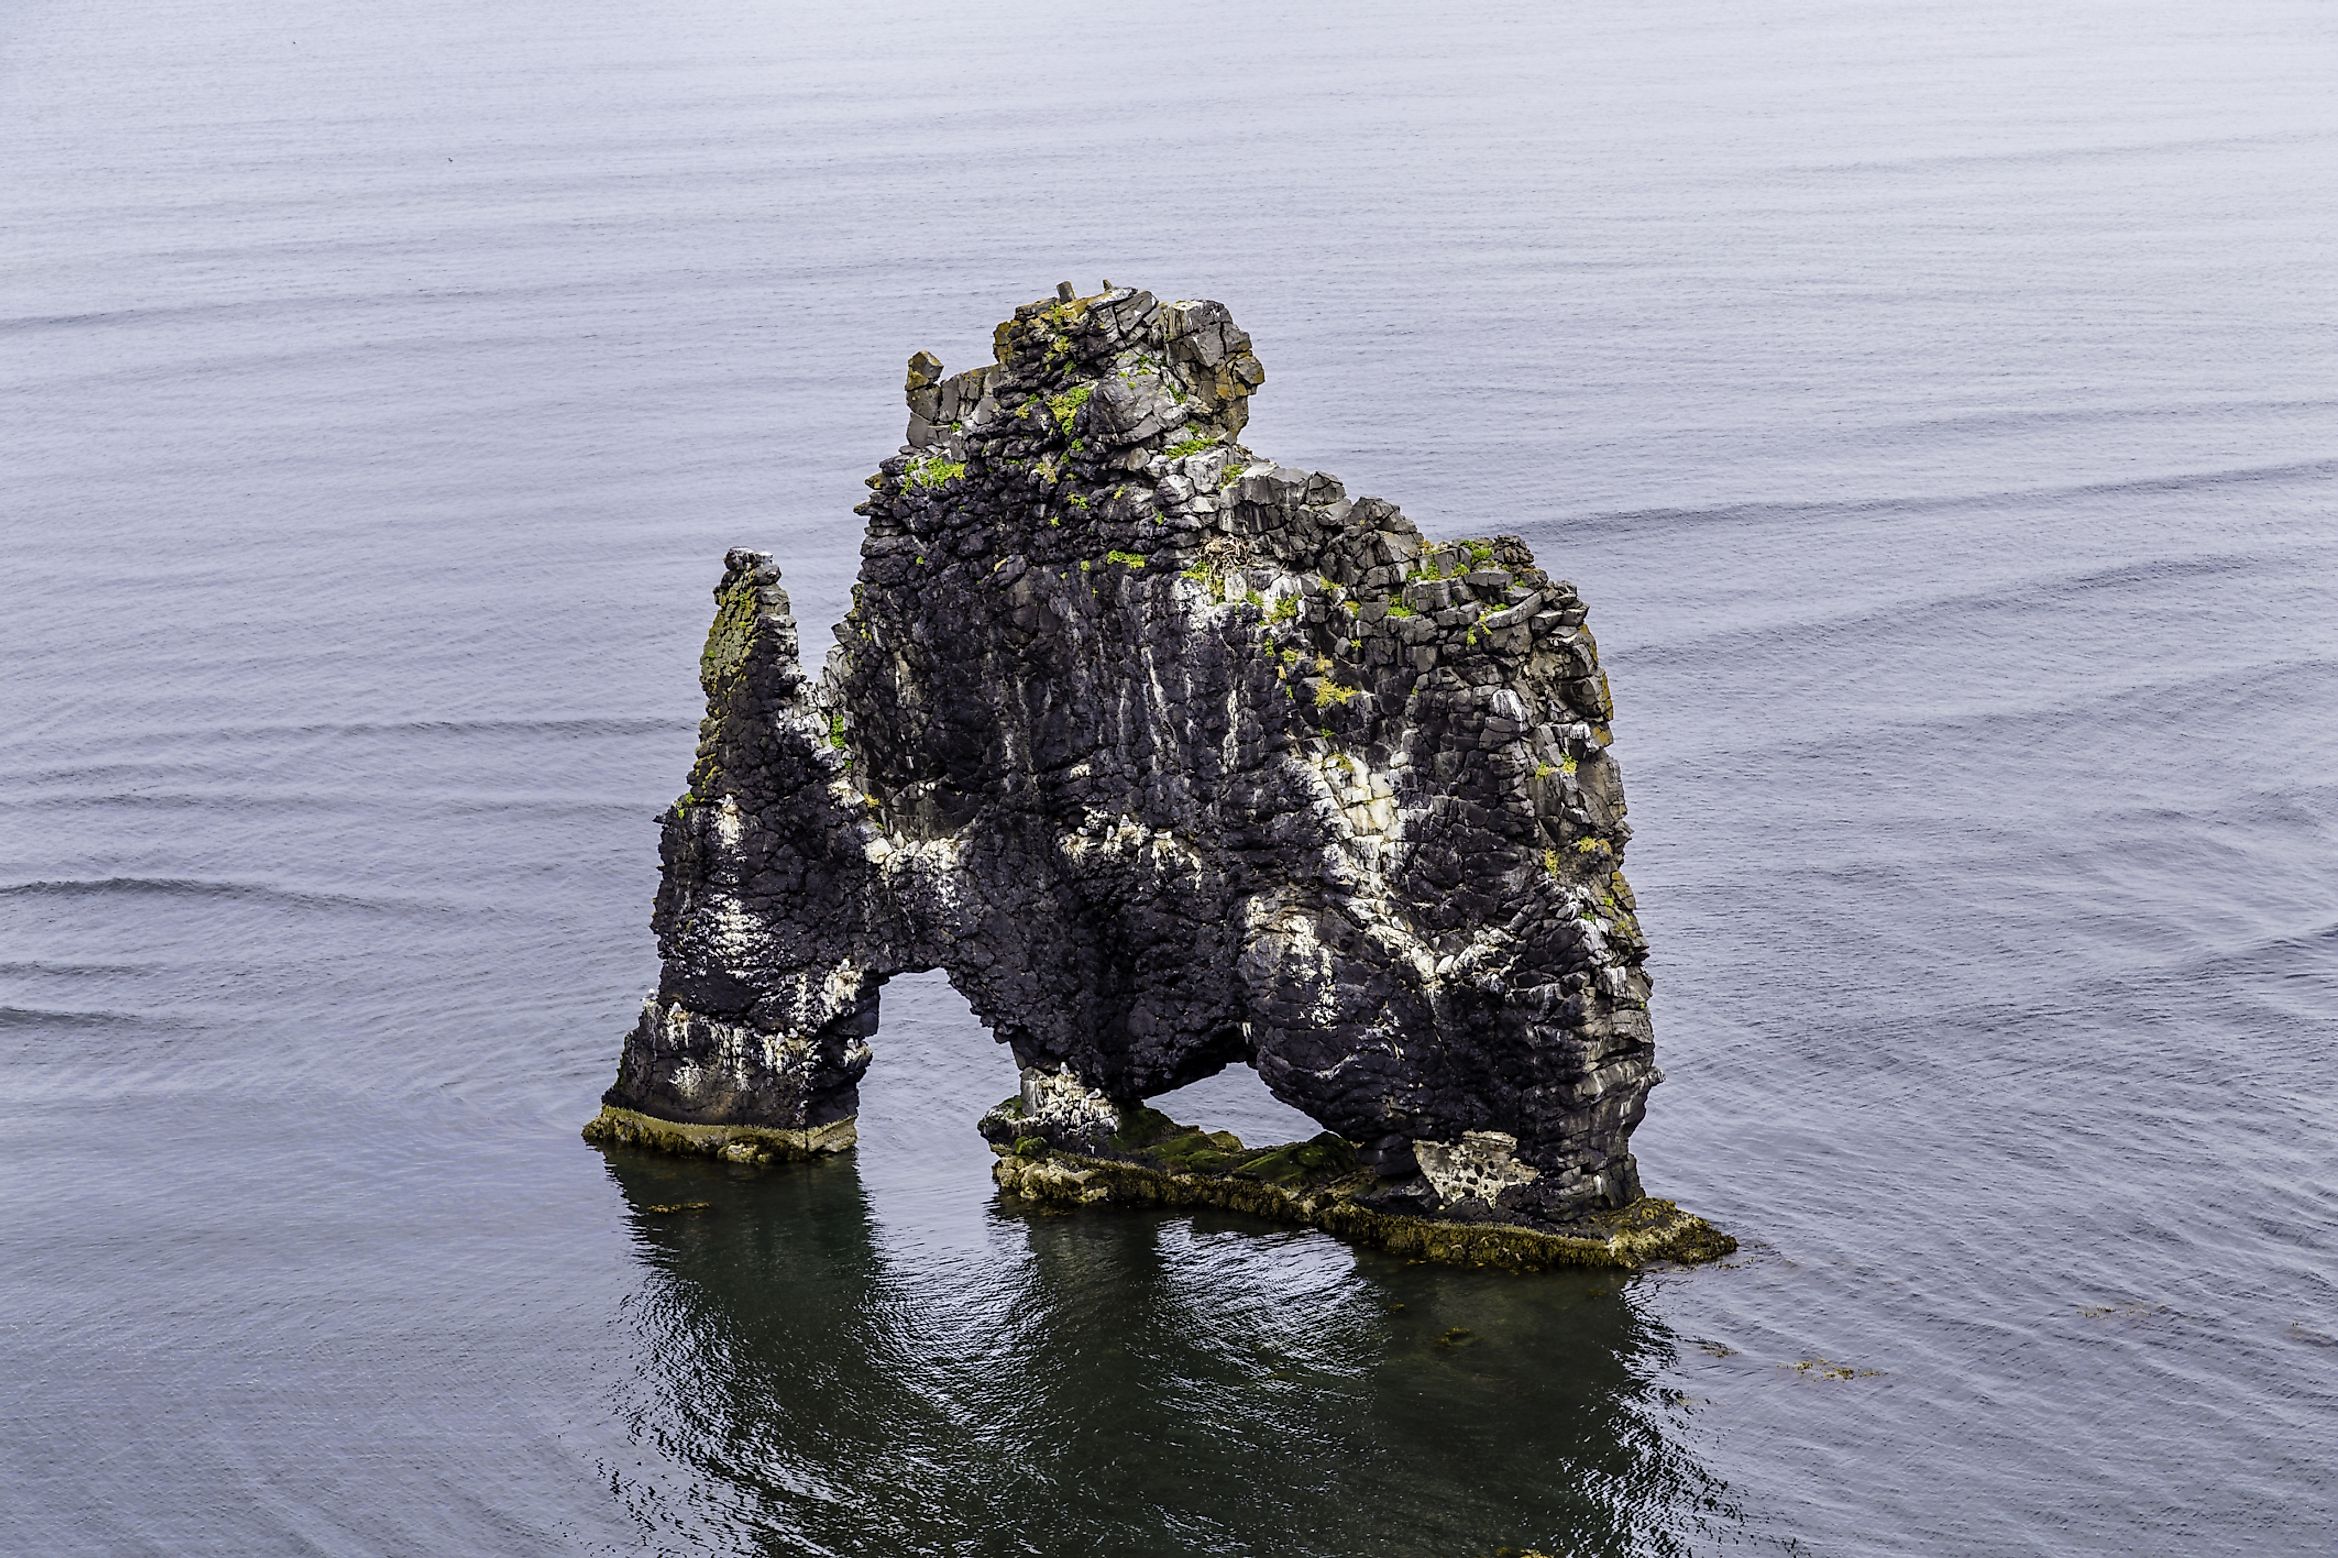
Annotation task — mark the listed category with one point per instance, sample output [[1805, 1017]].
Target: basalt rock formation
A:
[[1172, 758]]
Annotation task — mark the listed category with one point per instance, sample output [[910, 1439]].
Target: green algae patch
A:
[[736, 618], [1159, 1163], [1194, 445], [1065, 408], [615, 1127], [927, 472]]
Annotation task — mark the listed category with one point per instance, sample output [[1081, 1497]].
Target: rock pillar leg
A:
[[697, 1084], [772, 930]]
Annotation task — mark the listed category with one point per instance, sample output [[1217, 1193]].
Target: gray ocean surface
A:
[[1936, 403]]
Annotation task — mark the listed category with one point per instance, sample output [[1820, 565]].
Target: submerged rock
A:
[[1173, 758]]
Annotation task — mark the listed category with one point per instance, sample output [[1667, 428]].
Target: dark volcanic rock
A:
[[1172, 757]]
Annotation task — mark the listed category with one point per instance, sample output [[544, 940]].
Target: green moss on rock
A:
[[728, 640], [930, 471], [615, 1127], [1160, 1163], [1065, 408]]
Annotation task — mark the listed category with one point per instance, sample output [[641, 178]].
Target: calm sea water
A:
[[1938, 404]]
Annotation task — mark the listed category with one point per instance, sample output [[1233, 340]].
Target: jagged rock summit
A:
[[1173, 758]]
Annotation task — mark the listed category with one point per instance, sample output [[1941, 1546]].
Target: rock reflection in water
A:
[[1126, 1382]]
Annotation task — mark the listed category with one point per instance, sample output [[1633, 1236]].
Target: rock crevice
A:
[[1173, 758]]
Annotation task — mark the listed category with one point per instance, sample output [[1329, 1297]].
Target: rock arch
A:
[[1170, 757]]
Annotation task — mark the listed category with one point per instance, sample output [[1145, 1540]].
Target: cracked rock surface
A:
[[1173, 758]]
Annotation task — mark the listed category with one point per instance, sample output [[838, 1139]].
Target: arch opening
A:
[[936, 1069], [1236, 1099]]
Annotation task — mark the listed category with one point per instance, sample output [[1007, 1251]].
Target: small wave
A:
[[1996, 497], [210, 888], [2260, 684], [569, 725], [27, 324], [1903, 613], [1898, 432], [2310, 952], [46, 968], [415, 802], [272, 309], [174, 758], [14, 1017], [558, 725], [2049, 156]]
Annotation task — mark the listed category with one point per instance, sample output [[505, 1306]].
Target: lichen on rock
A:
[[1172, 758]]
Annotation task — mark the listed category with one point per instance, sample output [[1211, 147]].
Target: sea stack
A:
[[1173, 758]]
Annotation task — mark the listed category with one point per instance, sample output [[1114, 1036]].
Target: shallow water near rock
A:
[[1934, 406]]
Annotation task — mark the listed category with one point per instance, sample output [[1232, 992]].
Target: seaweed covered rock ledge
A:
[[1172, 758]]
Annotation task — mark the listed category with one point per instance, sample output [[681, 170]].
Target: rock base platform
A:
[[1319, 1184], [615, 1127]]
